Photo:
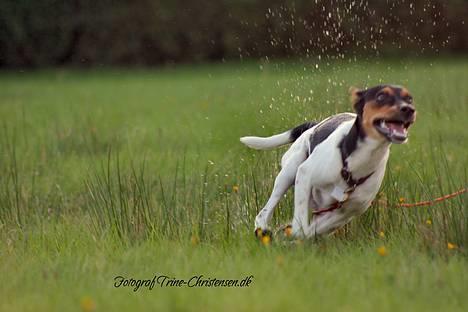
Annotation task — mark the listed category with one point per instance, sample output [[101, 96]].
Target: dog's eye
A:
[[408, 99], [381, 97]]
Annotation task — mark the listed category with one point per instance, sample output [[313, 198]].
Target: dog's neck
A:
[[363, 155]]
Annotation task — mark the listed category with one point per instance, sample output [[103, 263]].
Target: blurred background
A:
[[50, 33]]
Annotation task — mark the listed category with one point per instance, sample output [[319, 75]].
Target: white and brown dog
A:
[[337, 165]]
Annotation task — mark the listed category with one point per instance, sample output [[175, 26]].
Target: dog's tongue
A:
[[396, 127]]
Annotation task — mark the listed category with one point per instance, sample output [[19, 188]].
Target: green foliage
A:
[[145, 32]]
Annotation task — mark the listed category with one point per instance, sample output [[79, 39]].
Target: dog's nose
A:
[[407, 110]]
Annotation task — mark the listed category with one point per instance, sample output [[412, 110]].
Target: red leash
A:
[[417, 204], [332, 207], [432, 202]]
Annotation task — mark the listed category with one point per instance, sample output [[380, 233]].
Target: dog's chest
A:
[[356, 203]]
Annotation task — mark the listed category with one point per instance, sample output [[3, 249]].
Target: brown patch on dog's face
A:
[[388, 91], [386, 112], [372, 112], [404, 92]]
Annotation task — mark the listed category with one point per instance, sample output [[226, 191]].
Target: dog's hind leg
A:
[[283, 181], [326, 224]]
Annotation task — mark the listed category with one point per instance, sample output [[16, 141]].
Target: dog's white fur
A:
[[266, 143], [315, 177]]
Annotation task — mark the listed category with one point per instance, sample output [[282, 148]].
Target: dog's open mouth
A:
[[396, 131]]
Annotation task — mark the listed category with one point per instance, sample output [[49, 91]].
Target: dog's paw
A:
[[264, 235], [293, 232]]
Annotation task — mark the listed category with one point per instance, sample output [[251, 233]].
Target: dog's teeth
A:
[[383, 124]]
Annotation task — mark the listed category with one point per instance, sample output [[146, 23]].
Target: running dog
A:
[[337, 165]]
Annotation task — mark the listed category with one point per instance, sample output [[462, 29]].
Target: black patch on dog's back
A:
[[325, 128], [296, 132]]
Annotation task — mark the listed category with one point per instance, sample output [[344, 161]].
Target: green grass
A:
[[132, 173]]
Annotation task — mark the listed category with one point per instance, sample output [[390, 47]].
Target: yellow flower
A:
[[402, 199], [451, 246], [382, 251], [235, 188], [266, 240], [280, 260], [381, 234], [428, 222], [194, 240], [87, 304]]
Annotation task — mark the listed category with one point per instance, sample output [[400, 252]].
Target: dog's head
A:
[[386, 112]]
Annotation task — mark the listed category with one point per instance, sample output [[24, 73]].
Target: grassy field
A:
[[138, 173]]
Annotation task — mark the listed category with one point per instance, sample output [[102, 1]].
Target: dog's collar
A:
[[348, 176]]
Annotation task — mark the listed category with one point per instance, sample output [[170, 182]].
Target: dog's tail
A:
[[277, 139]]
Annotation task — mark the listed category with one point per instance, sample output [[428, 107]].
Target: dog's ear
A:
[[357, 99]]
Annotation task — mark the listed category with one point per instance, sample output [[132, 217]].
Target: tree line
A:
[[147, 32]]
